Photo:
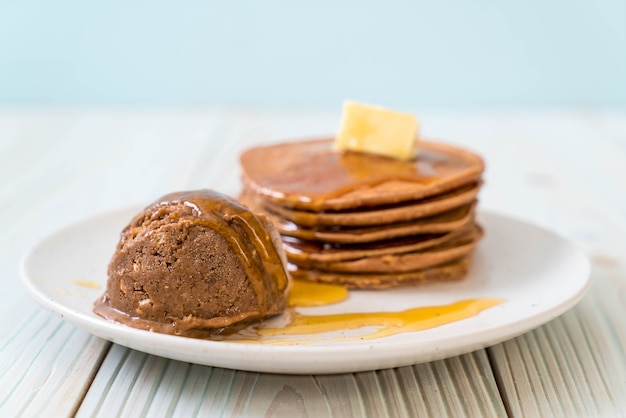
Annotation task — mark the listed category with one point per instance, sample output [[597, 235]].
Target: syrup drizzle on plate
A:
[[303, 328]]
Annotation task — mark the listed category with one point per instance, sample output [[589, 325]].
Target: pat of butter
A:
[[377, 130]]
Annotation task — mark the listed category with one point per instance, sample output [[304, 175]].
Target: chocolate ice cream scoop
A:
[[195, 263]]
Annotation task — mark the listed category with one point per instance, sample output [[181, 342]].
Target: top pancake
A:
[[310, 175]]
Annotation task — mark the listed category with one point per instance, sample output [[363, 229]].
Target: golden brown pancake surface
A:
[[310, 175]]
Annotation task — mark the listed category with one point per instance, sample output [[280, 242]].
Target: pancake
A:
[[405, 211], [310, 175], [445, 222], [455, 270], [401, 262], [320, 255], [300, 252]]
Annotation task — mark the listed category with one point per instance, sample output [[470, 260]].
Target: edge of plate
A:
[[381, 359]]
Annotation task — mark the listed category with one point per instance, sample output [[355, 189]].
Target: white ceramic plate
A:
[[539, 274]]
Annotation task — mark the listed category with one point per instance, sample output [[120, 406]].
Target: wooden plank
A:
[[574, 366], [49, 374], [45, 365], [136, 384]]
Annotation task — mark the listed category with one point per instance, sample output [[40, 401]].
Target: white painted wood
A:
[[561, 169], [574, 366], [135, 384]]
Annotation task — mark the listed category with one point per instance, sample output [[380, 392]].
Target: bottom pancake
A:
[[451, 271]]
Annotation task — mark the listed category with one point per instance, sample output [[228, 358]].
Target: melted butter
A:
[[362, 166], [304, 293], [384, 323]]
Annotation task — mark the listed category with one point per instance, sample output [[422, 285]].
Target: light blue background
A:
[[447, 53]]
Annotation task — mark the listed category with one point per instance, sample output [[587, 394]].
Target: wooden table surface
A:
[[565, 170]]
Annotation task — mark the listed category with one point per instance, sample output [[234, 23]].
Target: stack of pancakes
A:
[[364, 220]]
